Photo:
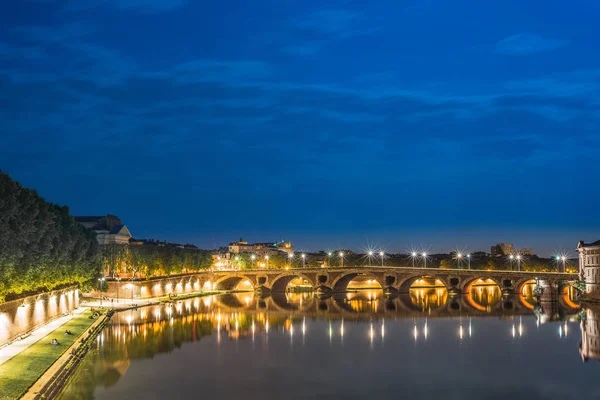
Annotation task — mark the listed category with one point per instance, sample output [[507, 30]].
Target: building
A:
[[589, 266], [109, 228], [242, 246], [505, 249], [502, 249]]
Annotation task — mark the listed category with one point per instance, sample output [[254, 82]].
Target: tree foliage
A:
[[151, 260], [41, 245]]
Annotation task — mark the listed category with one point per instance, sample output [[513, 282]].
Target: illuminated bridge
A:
[[393, 280]]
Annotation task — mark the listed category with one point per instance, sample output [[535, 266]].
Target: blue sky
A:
[[393, 123]]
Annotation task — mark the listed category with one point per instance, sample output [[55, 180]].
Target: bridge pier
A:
[[549, 291], [390, 291], [262, 291]]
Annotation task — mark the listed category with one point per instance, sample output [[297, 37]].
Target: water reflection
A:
[[236, 334]]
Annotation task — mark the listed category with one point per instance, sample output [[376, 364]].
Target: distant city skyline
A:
[[333, 124]]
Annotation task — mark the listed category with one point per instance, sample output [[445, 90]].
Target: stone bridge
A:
[[392, 279]]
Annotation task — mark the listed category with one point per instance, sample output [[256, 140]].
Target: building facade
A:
[[505, 249], [242, 246], [109, 228], [589, 266]]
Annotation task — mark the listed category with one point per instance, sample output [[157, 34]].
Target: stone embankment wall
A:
[[126, 290], [18, 317]]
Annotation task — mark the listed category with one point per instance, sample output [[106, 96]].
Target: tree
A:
[[41, 245]]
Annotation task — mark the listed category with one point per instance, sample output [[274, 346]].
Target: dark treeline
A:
[[153, 259], [41, 246]]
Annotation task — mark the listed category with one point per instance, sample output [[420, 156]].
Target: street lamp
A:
[[518, 262], [342, 258], [290, 257], [370, 255], [564, 261], [303, 260], [267, 259], [413, 255], [511, 257], [118, 279], [381, 254], [237, 260], [424, 260], [101, 286], [459, 258], [329, 259], [469, 260], [253, 257]]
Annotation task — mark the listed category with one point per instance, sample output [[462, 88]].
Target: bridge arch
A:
[[467, 285], [406, 283], [340, 284], [230, 282], [280, 282]]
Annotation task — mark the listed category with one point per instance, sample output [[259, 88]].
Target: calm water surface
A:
[[354, 346]]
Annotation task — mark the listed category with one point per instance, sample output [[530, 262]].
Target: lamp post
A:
[[459, 259], [564, 261], [413, 255], [253, 257], [424, 260], [267, 259], [511, 257], [303, 260], [101, 286], [329, 259], [237, 260], [370, 254], [518, 262], [381, 254], [290, 257], [118, 285], [342, 258], [469, 260]]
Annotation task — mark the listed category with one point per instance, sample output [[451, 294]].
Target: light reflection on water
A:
[[361, 343]]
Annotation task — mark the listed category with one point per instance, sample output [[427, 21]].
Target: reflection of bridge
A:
[[357, 305]]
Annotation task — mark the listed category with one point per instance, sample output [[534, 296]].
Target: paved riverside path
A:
[[18, 346]]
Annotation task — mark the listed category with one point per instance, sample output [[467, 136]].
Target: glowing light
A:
[[341, 254], [413, 254], [424, 254], [370, 253], [415, 332]]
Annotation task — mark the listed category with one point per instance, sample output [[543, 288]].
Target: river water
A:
[[353, 346]]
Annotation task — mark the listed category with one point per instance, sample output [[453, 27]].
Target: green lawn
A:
[[19, 373]]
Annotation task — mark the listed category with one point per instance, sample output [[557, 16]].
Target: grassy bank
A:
[[19, 373]]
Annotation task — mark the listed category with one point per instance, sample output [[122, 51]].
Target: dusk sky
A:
[[330, 124]]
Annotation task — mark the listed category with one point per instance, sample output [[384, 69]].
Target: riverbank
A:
[[51, 382], [22, 371]]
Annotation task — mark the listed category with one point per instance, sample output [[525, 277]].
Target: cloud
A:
[[528, 43], [147, 6], [304, 49]]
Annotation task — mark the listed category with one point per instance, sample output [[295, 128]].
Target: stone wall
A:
[[24, 315], [126, 290]]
